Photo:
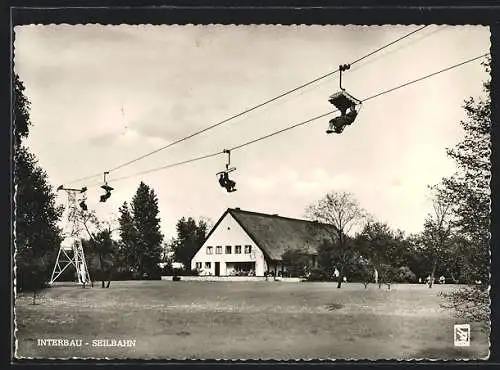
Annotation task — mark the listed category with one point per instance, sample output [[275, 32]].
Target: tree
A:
[[365, 270], [190, 237], [327, 257], [469, 188], [341, 210], [101, 251], [128, 251], [384, 249], [148, 245], [469, 192], [437, 234], [22, 120], [32, 271], [296, 262], [37, 234]]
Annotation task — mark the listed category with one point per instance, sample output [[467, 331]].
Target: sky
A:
[[104, 95]]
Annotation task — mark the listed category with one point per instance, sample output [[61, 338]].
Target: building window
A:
[[218, 249], [228, 249], [248, 249], [198, 265], [209, 250], [208, 265], [237, 249]]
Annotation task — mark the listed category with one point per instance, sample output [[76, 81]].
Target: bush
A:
[[121, 275], [193, 273], [176, 278], [405, 275], [32, 274], [166, 270], [155, 274], [295, 262], [471, 303], [128, 274], [181, 272], [317, 275]]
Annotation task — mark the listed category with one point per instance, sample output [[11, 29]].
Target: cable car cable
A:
[[250, 109], [171, 165], [299, 124]]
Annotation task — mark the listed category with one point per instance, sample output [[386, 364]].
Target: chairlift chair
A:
[[83, 204], [107, 189], [223, 177], [343, 101]]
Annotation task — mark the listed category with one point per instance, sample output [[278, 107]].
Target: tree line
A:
[[377, 252], [131, 247]]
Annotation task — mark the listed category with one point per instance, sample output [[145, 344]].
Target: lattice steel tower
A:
[[71, 249]]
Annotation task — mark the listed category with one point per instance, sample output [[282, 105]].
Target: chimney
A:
[[238, 208]]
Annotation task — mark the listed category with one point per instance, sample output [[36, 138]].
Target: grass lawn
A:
[[245, 320]]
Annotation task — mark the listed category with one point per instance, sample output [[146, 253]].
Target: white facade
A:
[[218, 255]]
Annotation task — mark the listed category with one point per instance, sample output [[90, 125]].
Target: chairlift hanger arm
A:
[[342, 68], [226, 171], [228, 152], [81, 190]]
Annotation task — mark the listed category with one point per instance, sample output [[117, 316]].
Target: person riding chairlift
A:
[[225, 182], [222, 181], [338, 124]]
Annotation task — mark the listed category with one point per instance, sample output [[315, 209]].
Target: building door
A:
[[217, 268]]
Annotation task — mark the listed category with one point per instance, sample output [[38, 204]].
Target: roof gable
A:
[[216, 225], [274, 234]]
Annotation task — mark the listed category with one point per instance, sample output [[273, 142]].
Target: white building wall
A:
[[229, 232]]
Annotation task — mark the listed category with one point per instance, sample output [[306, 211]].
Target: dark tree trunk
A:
[[341, 271], [339, 283], [34, 297], [103, 273], [431, 281], [455, 281], [109, 278]]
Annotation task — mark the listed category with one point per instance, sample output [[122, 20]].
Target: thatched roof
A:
[[275, 234]]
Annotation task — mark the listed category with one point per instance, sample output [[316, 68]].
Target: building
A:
[[250, 243]]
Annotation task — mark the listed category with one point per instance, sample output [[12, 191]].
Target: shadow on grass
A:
[[449, 353], [334, 306]]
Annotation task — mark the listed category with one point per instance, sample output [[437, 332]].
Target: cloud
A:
[[321, 182], [103, 140]]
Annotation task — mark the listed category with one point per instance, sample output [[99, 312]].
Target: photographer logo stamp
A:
[[461, 335]]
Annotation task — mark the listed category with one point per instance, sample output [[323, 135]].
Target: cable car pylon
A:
[[71, 249]]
